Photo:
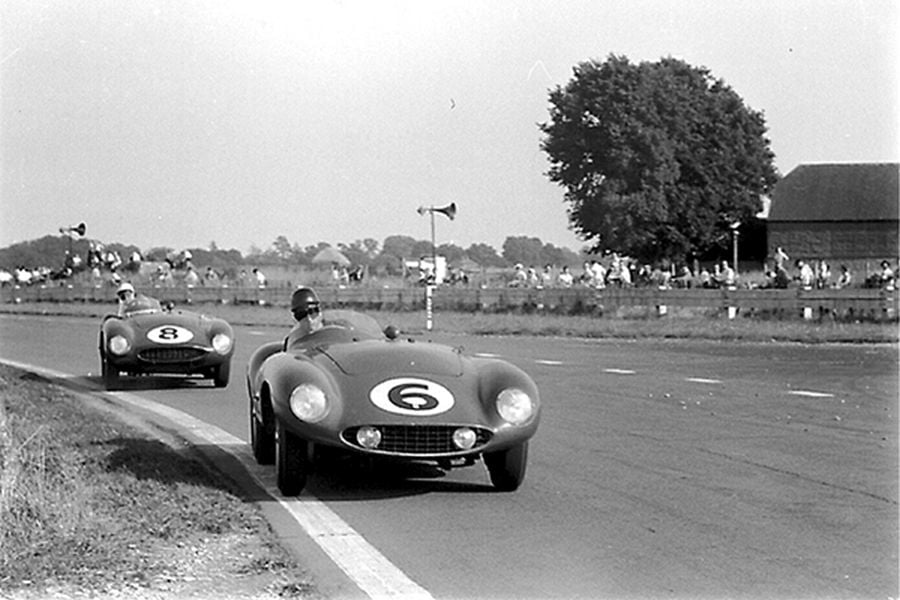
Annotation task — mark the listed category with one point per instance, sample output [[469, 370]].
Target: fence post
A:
[[807, 310], [661, 309], [732, 309], [888, 299]]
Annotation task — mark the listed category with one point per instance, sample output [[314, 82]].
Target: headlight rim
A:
[[229, 343], [118, 345], [313, 406], [515, 406]]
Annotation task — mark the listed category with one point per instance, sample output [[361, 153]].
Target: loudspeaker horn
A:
[[79, 229], [449, 210]]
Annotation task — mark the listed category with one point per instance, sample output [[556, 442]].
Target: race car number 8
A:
[[170, 334], [412, 396]]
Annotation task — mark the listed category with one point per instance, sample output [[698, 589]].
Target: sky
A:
[[178, 123]]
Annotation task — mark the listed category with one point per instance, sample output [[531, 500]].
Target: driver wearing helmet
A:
[[307, 312], [125, 294]]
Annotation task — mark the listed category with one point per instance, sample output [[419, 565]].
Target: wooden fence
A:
[[846, 304]]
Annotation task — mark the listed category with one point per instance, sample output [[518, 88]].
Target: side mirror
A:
[[391, 332]]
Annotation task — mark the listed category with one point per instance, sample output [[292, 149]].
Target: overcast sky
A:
[[177, 123]]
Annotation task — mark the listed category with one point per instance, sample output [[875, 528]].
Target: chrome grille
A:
[[419, 440], [171, 355]]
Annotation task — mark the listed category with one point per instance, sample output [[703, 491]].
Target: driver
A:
[[307, 312], [125, 294], [132, 303]]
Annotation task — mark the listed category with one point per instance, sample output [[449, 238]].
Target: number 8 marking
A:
[[170, 334]]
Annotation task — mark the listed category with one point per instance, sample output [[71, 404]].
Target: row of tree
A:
[[386, 258]]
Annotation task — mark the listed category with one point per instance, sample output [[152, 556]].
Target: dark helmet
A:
[[304, 301]]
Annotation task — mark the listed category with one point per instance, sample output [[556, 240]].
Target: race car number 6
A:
[[170, 334], [412, 396]]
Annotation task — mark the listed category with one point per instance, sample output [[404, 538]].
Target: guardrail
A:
[[845, 304]]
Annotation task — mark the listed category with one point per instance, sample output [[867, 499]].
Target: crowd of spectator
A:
[[615, 270]]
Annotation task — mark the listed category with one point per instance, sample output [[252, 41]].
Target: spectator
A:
[[565, 278], [547, 276], [191, 279], [260, 278], [587, 274], [520, 277], [845, 279], [727, 277], [806, 276], [598, 274], [533, 279], [823, 275], [685, 278], [886, 276], [781, 257], [211, 278], [706, 280]]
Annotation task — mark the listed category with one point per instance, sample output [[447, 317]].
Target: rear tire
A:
[[291, 461], [507, 467]]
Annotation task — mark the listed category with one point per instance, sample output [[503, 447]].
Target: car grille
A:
[[171, 355], [418, 440]]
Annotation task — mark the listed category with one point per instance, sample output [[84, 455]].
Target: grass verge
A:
[[631, 324], [94, 507]]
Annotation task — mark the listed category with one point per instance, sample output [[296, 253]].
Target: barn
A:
[[841, 213]]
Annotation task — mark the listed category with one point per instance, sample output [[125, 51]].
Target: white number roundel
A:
[[412, 396], [170, 334]]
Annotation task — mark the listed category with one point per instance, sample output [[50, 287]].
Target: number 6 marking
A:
[[412, 396]]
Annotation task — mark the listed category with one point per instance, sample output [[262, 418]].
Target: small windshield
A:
[[142, 305], [350, 319]]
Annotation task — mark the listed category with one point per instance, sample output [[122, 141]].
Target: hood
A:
[[189, 320], [412, 358]]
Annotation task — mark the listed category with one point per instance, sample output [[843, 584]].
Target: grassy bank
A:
[[93, 507], [686, 324]]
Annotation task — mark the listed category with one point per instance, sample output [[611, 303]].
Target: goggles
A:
[[125, 294], [311, 311]]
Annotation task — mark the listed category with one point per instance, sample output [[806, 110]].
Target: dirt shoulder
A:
[[99, 505]]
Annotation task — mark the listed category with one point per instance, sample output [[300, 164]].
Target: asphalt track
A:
[[661, 469]]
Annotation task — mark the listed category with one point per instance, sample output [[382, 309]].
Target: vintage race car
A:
[[150, 339], [352, 387]]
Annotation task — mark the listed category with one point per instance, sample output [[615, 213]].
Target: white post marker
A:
[[429, 306]]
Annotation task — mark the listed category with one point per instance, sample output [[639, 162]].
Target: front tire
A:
[[110, 374], [507, 467], [262, 439], [291, 461], [222, 374]]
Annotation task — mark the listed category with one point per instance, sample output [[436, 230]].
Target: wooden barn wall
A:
[[836, 241]]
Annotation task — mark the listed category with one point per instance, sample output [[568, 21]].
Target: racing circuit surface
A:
[[661, 469]]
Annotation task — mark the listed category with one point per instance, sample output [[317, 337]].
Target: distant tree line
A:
[[385, 258]]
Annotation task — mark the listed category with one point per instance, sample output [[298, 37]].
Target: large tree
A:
[[657, 159]]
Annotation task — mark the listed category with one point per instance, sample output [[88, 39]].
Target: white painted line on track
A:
[[361, 562], [620, 371], [486, 355], [542, 361], [702, 380], [810, 394]]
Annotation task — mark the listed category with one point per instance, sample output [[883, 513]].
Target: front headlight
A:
[[515, 406], [309, 403], [119, 345], [221, 343]]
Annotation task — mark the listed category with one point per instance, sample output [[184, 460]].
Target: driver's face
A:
[[125, 296]]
